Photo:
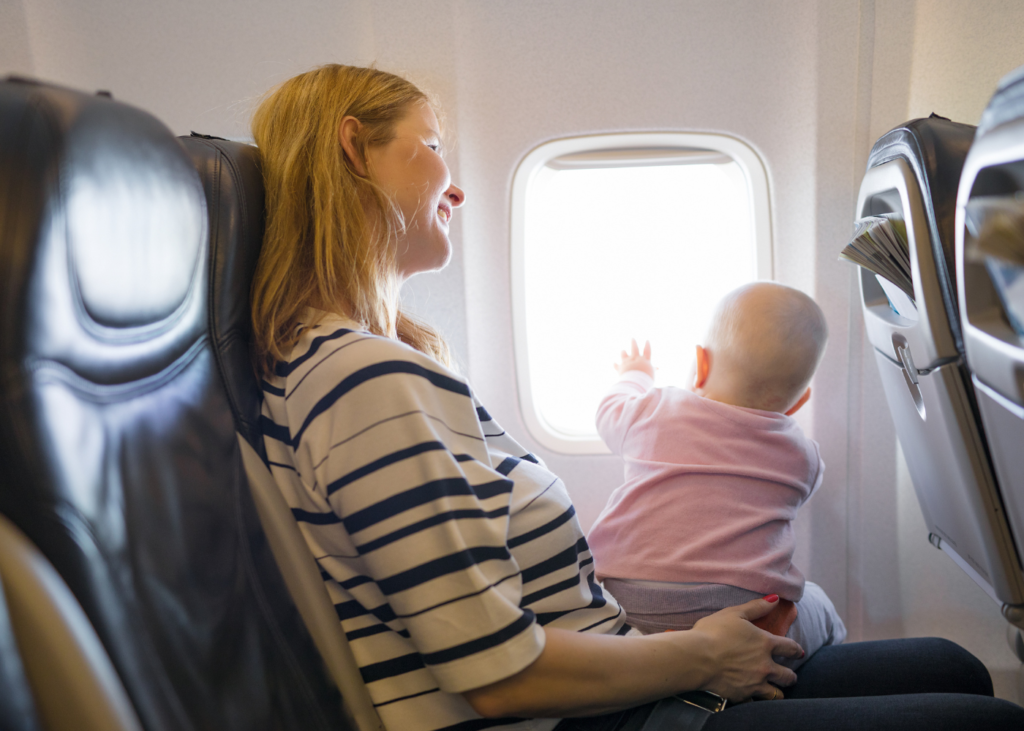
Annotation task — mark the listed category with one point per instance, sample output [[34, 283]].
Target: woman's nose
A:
[[455, 195]]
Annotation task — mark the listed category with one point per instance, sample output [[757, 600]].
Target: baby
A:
[[715, 474]]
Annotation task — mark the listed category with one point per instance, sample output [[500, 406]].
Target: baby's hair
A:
[[770, 338]]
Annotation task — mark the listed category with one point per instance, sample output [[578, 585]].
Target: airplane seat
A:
[[913, 171], [117, 436], [990, 290], [233, 184], [54, 672], [17, 704]]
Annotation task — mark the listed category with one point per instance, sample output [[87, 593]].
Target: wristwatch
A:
[[704, 699]]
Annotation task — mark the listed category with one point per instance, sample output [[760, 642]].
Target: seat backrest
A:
[[993, 181], [116, 433], [234, 191], [72, 682], [17, 705], [233, 184], [914, 171], [934, 149]]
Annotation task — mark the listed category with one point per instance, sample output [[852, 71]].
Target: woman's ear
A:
[[703, 367], [347, 132]]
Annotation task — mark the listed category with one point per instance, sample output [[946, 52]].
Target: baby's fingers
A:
[[647, 349], [634, 348]]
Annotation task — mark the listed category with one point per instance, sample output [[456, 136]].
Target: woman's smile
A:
[[411, 169]]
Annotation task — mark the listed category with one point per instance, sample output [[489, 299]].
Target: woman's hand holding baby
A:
[[635, 360], [741, 654], [580, 674]]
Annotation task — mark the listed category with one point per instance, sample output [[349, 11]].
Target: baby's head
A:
[[763, 346]]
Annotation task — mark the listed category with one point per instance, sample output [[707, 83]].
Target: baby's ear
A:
[[800, 402], [703, 367]]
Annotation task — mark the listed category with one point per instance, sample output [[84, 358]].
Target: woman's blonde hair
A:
[[320, 247]]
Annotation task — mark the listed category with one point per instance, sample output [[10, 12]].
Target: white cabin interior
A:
[[808, 85]]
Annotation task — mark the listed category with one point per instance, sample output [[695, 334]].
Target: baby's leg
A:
[[817, 624]]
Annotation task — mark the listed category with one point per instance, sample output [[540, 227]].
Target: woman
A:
[[457, 566]]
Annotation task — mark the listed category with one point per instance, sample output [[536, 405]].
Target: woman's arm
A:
[[585, 674]]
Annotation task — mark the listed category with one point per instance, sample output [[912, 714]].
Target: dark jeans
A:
[[928, 684]]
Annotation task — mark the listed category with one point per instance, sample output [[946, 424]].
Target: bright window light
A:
[[619, 237]]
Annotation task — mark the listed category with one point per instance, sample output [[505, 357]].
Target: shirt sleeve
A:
[[400, 457], [621, 406]]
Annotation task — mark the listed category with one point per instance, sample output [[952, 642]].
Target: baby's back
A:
[[710, 492]]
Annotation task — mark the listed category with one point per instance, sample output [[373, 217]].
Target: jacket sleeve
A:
[[621, 406]]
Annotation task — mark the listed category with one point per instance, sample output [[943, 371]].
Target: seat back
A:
[[913, 171], [993, 180], [234, 191], [73, 685], [17, 705], [116, 433]]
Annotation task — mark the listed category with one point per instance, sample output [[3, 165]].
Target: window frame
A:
[[527, 171]]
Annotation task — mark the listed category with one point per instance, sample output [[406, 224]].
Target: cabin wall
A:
[[15, 47], [809, 85]]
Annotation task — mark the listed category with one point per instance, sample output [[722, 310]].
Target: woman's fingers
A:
[[781, 676], [785, 647], [757, 608], [769, 693]]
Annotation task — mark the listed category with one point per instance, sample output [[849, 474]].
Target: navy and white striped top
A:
[[445, 546]]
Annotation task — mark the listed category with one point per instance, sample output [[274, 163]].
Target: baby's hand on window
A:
[[635, 360]]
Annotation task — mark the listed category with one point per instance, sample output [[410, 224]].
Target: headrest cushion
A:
[[135, 216]]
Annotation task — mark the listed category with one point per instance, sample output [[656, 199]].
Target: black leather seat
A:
[[233, 183], [117, 435], [234, 192]]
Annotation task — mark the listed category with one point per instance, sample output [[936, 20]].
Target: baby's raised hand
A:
[[635, 360]]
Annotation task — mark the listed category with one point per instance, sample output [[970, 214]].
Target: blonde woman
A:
[[459, 571]]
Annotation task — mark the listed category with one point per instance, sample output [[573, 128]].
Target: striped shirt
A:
[[445, 546]]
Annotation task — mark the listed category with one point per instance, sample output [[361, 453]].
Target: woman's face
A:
[[410, 169]]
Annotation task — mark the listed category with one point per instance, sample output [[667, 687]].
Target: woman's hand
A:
[[580, 674], [741, 654]]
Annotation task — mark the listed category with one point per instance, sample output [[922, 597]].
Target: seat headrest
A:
[[935, 149], [1006, 105], [231, 175], [104, 238]]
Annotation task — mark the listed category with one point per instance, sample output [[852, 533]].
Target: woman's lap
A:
[[891, 667], [926, 683], [915, 712]]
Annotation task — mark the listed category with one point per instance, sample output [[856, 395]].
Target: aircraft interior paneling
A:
[[808, 86]]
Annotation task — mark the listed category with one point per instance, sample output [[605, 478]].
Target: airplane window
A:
[[624, 236]]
